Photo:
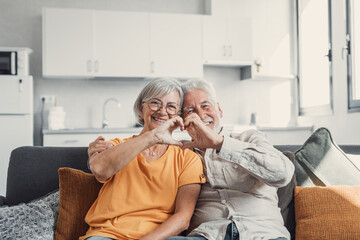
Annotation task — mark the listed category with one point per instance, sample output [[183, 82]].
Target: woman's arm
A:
[[184, 208], [106, 163]]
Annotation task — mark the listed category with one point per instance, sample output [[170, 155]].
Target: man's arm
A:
[[184, 208], [250, 149]]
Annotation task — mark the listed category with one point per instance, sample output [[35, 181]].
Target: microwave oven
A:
[[14, 61]]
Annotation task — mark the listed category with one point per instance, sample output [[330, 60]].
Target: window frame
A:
[[353, 104], [321, 110]]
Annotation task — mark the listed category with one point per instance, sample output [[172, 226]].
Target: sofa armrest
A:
[[2, 201]]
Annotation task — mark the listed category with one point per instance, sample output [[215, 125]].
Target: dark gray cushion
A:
[[320, 162], [286, 200], [33, 171]]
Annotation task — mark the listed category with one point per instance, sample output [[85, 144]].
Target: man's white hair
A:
[[193, 84]]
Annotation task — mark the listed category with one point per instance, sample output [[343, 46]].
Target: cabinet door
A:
[[16, 95], [122, 44], [239, 39], [215, 38], [67, 42], [175, 44]]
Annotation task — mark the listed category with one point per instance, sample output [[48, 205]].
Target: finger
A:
[[192, 118], [180, 123], [189, 145], [100, 138]]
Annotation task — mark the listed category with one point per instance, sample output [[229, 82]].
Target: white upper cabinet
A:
[[227, 39], [67, 42], [122, 46], [175, 41], [89, 43]]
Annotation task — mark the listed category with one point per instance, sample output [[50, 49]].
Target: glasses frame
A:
[[158, 107]]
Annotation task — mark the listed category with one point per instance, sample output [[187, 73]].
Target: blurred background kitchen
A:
[[281, 66]]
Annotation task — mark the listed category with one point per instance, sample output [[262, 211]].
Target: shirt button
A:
[[223, 201], [236, 166]]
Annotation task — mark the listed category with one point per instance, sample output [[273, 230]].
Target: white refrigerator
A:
[[16, 119]]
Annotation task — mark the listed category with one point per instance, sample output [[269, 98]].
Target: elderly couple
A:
[[218, 186]]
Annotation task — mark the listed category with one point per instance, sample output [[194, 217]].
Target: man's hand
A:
[[98, 146], [163, 133], [203, 136]]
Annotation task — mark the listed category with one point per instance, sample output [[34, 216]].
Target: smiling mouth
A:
[[158, 120]]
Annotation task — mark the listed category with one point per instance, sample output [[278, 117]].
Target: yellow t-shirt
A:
[[141, 196]]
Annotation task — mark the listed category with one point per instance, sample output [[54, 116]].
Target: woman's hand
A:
[[163, 133]]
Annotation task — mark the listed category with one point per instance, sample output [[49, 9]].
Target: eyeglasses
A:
[[155, 105]]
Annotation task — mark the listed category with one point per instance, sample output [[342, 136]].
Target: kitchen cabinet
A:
[[296, 135], [89, 43], [175, 41], [227, 42], [227, 39], [122, 46], [67, 42]]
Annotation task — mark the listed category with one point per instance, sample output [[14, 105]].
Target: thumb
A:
[[189, 145], [176, 143]]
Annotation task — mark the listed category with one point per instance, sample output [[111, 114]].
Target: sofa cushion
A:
[[32, 171], [327, 212], [78, 191], [33, 220], [320, 162]]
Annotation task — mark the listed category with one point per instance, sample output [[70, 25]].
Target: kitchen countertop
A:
[[229, 127], [93, 130]]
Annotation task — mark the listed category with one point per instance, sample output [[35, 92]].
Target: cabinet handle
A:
[[96, 66], [230, 50], [71, 141], [224, 50], [89, 67], [20, 85], [152, 65]]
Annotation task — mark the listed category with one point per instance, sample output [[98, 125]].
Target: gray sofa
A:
[[33, 172]]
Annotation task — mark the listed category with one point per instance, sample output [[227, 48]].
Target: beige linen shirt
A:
[[242, 182]]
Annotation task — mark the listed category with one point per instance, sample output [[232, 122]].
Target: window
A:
[[353, 50], [315, 57]]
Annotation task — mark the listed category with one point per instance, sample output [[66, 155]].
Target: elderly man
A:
[[243, 172]]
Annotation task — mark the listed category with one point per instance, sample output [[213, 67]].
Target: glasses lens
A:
[[172, 109], [154, 105]]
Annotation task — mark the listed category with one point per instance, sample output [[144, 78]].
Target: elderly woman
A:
[[150, 184]]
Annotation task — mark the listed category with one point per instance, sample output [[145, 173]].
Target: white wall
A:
[[20, 25]]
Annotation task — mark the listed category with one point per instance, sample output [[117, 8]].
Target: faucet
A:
[[105, 123]]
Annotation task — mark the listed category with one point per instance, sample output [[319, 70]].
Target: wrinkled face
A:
[[199, 102], [153, 118]]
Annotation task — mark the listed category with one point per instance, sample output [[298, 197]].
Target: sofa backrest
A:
[[33, 171]]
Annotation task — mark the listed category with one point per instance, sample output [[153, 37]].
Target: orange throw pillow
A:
[[78, 190], [330, 213]]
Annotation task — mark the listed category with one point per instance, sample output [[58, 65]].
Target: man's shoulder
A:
[[247, 134]]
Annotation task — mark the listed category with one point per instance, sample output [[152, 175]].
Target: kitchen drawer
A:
[[83, 139], [79, 140]]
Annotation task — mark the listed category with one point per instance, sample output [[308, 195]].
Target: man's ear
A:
[[220, 110]]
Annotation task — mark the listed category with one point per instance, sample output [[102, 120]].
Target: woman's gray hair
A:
[[157, 87], [193, 84]]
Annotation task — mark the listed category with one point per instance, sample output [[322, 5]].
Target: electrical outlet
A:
[[48, 99]]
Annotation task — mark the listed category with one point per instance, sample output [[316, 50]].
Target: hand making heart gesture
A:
[[203, 136]]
